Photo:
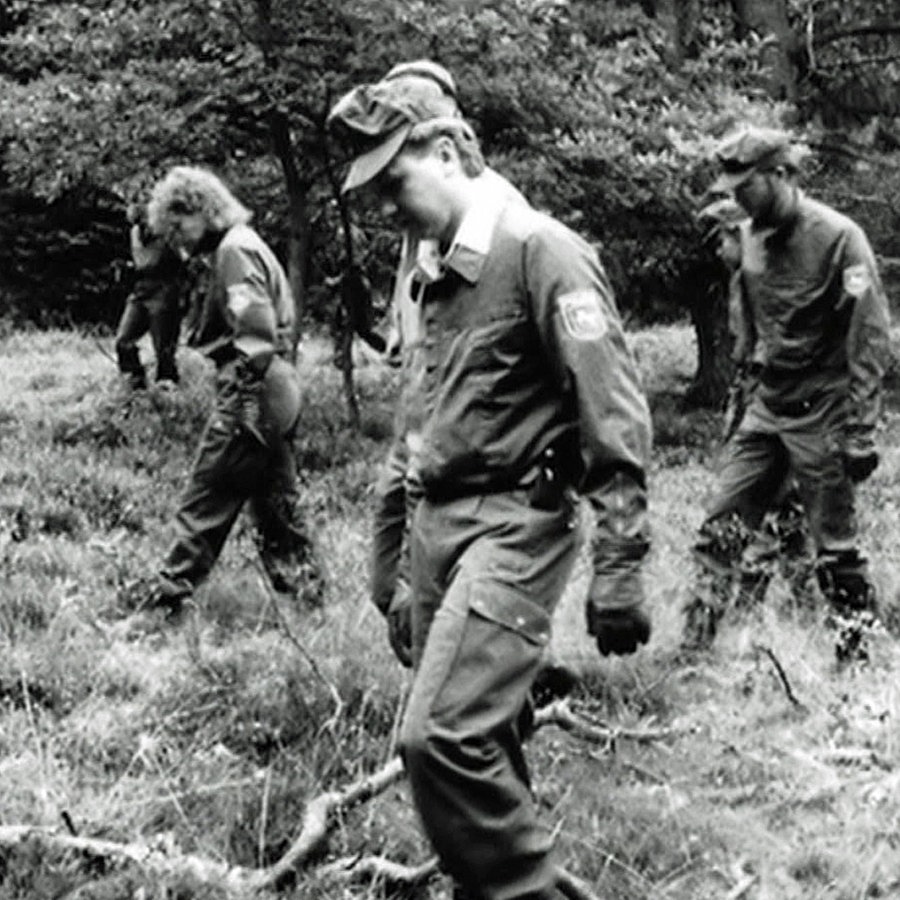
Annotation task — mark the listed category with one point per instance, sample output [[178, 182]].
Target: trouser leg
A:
[[132, 326], [165, 322], [285, 547], [226, 472], [487, 573], [752, 474], [828, 495], [389, 528]]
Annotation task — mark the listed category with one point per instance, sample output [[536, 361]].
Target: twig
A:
[[263, 818], [573, 887], [741, 888], [378, 868], [318, 819], [561, 714], [298, 644], [762, 648]]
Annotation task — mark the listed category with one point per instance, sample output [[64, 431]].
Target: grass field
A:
[[776, 776]]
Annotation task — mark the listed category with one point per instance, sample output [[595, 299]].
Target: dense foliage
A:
[[604, 113]]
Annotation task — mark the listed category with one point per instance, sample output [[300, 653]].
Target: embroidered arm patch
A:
[[582, 315], [857, 280]]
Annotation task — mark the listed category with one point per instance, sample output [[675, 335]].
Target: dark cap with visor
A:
[[379, 117], [750, 150]]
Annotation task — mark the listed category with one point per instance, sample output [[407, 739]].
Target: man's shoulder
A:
[[533, 226], [826, 218], [241, 237]]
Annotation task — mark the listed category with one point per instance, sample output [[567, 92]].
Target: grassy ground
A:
[[774, 786]]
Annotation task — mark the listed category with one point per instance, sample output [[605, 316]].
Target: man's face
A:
[[186, 233], [756, 194], [414, 190]]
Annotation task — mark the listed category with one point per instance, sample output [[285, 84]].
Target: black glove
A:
[[619, 631], [860, 457], [399, 622], [621, 627]]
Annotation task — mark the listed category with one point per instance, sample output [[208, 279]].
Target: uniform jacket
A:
[[249, 309], [523, 350], [814, 311], [247, 326]]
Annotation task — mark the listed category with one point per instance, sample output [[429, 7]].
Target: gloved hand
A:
[[860, 456], [617, 629], [399, 622]]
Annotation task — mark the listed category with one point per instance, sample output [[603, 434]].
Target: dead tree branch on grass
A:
[[161, 858], [561, 714]]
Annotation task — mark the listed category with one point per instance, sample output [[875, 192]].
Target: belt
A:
[[793, 408], [543, 481]]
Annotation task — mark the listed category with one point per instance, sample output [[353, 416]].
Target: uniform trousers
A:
[[767, 450], [487, 572], [153, 307], [233, 467]]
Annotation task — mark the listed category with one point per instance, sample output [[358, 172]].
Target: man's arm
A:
[[867, 352], [585, 345]]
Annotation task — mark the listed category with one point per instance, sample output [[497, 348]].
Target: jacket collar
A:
[[470, 247]]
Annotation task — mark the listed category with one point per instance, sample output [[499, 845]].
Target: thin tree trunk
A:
[[769, 18], [298, 206]]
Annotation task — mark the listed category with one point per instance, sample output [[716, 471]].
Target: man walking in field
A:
[[818, 323], [245, 453], [154, 305], [526, 392], [435, 91]]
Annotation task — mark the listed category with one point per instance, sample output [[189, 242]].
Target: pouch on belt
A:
[[281, 395]]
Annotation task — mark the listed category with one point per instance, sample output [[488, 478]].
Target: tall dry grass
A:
[[214, 735]]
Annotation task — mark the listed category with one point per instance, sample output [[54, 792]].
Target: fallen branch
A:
[[318, 820], [572, 887], [561, 714], [380, 869], [162, 859]]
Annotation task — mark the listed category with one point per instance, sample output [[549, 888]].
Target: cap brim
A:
[[366, 166], [728, 181]]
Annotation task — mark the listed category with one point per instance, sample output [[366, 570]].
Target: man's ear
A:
[[446, 149]]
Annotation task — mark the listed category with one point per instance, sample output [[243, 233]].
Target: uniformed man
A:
[[818, 320], [525, 390], [245, 453], [153, 305], [434, 90]]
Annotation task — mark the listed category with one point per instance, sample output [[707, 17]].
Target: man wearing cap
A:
[[818, 319], [245, 453], [434, 90], [153, 305], [525, 392]]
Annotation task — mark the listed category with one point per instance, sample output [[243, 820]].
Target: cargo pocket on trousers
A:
[[499, 649]]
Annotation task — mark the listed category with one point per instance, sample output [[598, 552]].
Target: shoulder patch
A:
[[857, 280], [582, 315]]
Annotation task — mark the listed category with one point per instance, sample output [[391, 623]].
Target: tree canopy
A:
[[604, 113]]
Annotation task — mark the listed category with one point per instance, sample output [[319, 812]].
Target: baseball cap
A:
[[425, 68], [749, 150], [379, 117]]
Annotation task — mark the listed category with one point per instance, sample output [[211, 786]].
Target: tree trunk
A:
[[680, 19], [709, 316], [769, 18], [299, 225]]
